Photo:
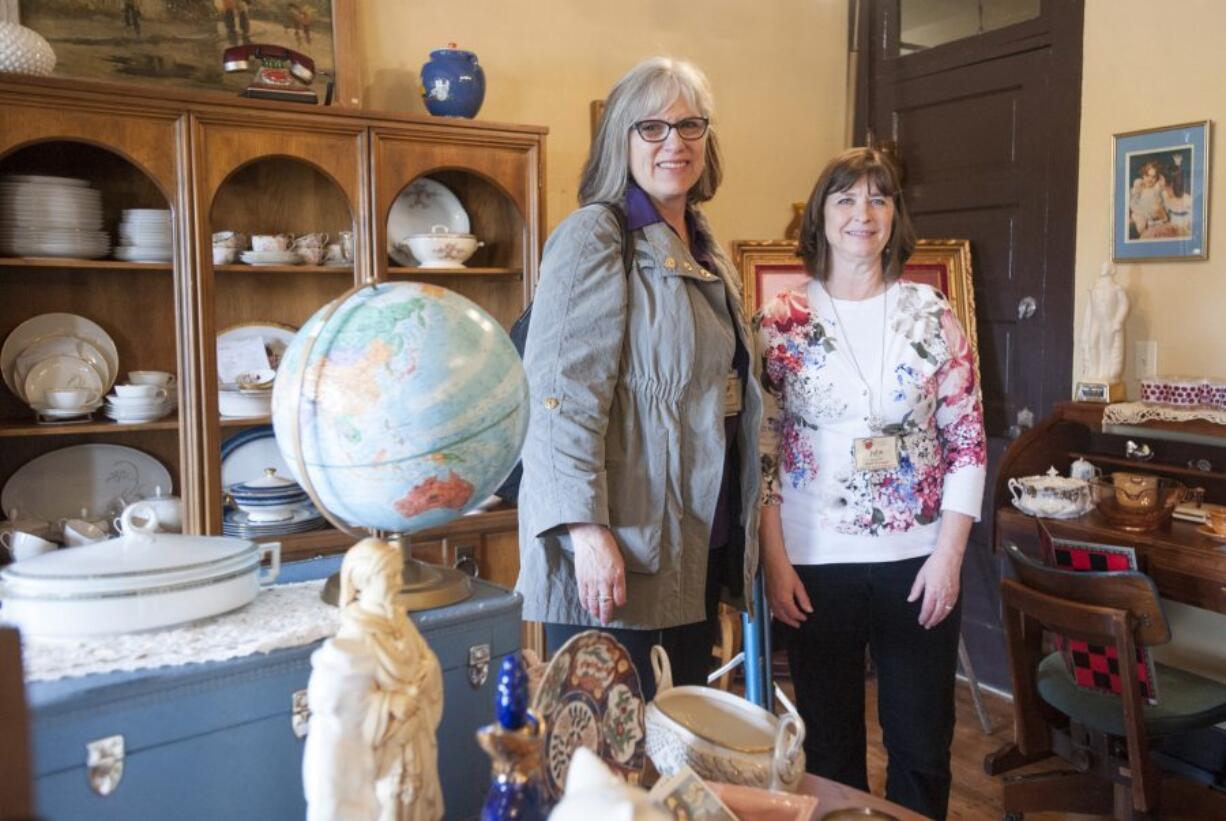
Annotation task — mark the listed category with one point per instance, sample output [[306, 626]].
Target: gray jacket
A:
[[627, 379]]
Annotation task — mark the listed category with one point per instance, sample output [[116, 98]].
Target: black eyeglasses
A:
[[656, 131]]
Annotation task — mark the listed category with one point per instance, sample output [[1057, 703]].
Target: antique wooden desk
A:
[[1186, 566]]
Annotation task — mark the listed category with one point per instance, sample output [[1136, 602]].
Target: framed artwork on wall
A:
[[1160, 193], [179, 43], [769, 267]]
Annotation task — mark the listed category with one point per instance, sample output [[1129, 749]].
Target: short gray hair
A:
[[646, 89]]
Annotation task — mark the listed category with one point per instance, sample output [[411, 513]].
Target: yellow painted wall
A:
[[1145, 71], [778, 70]]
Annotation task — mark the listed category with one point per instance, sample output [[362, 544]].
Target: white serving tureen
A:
[[1051, 495], [140, 581], [721, 736]]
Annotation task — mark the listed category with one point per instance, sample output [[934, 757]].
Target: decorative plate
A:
[[590, 696], [276, 336], [60, 372], [61, 346], [44, 325], [1205, 530], [59, 484], [420, 207]]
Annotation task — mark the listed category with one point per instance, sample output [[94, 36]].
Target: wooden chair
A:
[[1104, 737], [16, 781]]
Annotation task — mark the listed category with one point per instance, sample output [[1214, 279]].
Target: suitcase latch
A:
[[300, 714], [104, 764], [478, 665]]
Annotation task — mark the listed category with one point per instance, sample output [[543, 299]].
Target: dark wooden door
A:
[[987, 131]]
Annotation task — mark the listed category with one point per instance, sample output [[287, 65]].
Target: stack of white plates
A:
[[51, 217], [144, 235], [52, 351], [134, 409]]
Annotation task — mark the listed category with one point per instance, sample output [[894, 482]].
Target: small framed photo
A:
[[1160, 190], [768, 268]]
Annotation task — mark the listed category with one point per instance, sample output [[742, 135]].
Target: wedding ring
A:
[[604, 598], [949, 607]]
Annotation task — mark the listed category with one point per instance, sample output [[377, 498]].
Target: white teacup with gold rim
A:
[[71, 398]]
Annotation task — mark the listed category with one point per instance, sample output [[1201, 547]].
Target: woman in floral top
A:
[[873, 458]]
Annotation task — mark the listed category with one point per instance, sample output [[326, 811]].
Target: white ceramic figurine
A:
[[376, 699]]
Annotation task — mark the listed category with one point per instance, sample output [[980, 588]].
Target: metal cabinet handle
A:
[[1025, 421], [1026, 307]]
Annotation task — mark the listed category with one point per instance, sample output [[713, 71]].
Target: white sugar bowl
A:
[[721, 736]]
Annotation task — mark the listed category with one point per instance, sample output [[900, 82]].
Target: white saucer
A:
[[64, 413], [270, 258], [1074, 514]]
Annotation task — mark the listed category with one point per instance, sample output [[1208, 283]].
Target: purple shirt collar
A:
[[641, 212]]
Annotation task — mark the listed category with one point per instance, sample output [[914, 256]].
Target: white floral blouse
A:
[[819, 399]]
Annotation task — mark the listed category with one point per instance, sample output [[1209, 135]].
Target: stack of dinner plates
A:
[[144, 235], [238, 523], [44, 216]]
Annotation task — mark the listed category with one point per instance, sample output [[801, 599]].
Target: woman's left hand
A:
[[939, 580]]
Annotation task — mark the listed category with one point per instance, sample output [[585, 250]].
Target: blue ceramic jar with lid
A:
[[452, 84]]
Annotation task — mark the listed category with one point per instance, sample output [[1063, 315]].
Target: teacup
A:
[[162, 379], [22, 545], [140, 391], [229, 239], [265, 243], [311, 254], [1216, 520], [223, 255], [71, 398], [78, 532], [333, 254], [318, 240]]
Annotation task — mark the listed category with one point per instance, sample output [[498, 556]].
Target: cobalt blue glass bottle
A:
[[513, 743], [452, 84]]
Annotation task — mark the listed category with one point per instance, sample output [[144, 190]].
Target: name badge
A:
[[876, 452], [732, 395]]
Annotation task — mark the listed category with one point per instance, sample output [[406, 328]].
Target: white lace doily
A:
[[287, 615], [1135, 413]]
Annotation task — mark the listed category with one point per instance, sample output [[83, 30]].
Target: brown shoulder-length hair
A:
[[840, 174]]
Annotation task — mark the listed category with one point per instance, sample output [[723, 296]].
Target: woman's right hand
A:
[[600, 570], [785, 593]]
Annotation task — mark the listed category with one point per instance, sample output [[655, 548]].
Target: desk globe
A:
[[399, 407]]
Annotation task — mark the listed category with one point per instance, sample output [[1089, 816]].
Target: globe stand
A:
[[426, 586]]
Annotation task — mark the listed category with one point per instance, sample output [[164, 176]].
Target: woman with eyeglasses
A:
[[636, 508], [873, 470]]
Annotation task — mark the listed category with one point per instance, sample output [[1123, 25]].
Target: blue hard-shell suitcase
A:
[[223, 740]]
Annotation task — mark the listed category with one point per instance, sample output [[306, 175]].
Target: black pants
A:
[[688, 645], [859, 605]]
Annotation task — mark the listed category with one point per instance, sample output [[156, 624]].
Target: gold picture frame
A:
[[770, 266]]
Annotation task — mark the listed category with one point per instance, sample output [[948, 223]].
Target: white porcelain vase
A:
[[24, 51]]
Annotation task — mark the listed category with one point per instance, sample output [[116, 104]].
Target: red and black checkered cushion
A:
[[1093, 666]]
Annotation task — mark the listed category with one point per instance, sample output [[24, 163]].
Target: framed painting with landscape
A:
[[178, 44]]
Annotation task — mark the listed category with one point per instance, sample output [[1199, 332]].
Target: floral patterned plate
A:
[[590, 696]]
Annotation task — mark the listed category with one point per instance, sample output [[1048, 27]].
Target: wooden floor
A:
[[976, 795]]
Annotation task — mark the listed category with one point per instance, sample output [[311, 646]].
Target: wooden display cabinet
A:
[[1186, 565], [225, 163]]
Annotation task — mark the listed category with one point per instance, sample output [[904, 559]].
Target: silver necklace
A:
[[875, 418]]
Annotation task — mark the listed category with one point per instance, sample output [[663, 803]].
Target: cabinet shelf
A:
[[91, 264], [242, 268], [245, 421], [398, 270], [1197, 431], [10, 428]]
